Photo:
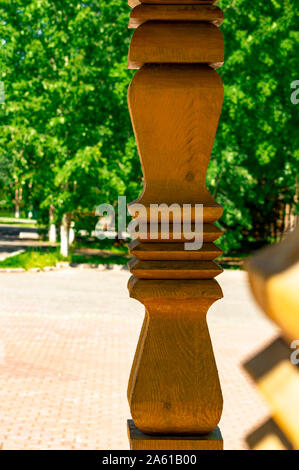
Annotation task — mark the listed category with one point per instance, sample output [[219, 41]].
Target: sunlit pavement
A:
[[67, 340]]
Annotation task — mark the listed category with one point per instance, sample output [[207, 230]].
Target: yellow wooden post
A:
[[274, 280], [175, 101]]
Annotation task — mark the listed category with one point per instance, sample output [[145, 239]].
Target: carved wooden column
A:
[[175, 102]]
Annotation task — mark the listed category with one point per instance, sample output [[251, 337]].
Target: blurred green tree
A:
[[256, 154], [66, 141], [65, 128]]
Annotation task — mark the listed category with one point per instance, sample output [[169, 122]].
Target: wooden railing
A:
[[274, 279], [175, 101]]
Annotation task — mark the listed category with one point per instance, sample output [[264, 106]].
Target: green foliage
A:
[[99, 260], [32, 259], [66, 137], [65, 126], [255, 157], [41, 258], [106, 245]]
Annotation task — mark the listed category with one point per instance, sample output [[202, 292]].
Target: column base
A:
[[140, 441]]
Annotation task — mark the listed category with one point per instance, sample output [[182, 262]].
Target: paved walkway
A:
[[67, 340]]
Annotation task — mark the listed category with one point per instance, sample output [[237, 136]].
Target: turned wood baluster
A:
[[175, 101]]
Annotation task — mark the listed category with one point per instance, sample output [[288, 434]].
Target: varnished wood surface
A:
[[278, 381], [133, 3], [142, 13], [175, 386], [148, 292], [175, 101], [141, 441], [176, 42], [174, 269], [211, 212], [274, 280], [280, 388], [273, 276], [184, 103], [165, 235], [172, 251], [137, 355]]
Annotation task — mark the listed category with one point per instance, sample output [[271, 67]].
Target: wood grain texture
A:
[[172, 251], [142, 13], [133, 3], [175, 101], [211, 212], [140, 441], [176, 42], [172, 233], [148, 292], [174, 269], [184, 103], [175, 387]]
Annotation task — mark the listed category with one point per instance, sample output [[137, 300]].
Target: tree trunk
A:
[[18, 199], [52, 226], [65, 235], [71, 235]]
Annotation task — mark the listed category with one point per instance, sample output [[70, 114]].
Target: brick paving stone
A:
[[67, 340]]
